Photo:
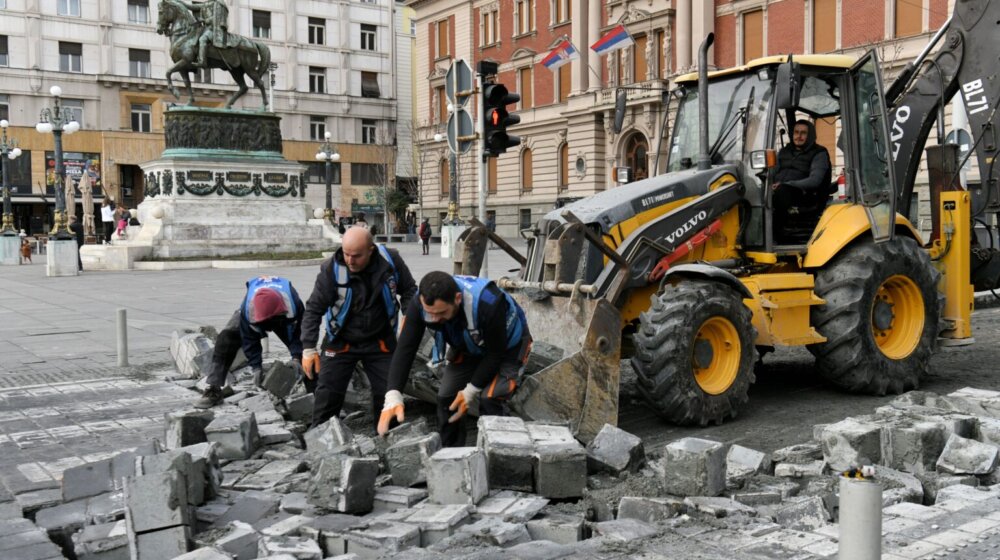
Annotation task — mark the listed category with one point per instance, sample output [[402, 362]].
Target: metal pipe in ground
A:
[[121, 328], [860, 519]]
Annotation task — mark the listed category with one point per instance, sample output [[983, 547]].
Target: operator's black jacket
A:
[[807, 169], [367, 322]]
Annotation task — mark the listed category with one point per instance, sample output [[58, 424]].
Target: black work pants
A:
[[109, 227], [493, 398], [336, 368], [227, 345], [426, 241]]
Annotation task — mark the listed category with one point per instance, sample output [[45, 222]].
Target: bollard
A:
[[121, 327], [860, 517]]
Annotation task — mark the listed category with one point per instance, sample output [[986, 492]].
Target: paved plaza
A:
[[64, 401]]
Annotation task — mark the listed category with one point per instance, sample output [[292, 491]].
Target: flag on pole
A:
[[617, 38], [562, 54]]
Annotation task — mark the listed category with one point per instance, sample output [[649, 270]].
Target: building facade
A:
[[335, 67], [568, 148]]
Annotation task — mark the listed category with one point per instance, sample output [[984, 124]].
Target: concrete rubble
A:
[[220, 489]]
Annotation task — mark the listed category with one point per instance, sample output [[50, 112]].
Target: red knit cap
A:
[[266, 303]]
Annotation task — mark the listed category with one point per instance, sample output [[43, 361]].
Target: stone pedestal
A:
[[449, 236], [61, 258], [10, 249]]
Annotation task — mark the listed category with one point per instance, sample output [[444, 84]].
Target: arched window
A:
[[443, 173], [564, 166], [526, 181], [636, 150]]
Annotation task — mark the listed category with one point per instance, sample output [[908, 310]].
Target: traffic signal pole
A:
[[481, 152]]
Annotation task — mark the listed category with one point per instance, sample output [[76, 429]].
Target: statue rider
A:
[[214, 17]]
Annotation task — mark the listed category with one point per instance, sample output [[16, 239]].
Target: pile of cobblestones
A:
[[247, 480]]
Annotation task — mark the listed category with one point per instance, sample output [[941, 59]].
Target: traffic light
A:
[[497, 119]]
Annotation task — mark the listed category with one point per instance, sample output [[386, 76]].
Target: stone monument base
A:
[[10, 249], [61, 258], [449, 236]]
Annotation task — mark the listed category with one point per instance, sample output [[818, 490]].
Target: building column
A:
[[580, 31], [682, 20], [703, 23], [593, 31]]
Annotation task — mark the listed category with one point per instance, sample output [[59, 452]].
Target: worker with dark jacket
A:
[[357, 298], [486, 337], [802, 179], [271, 304]]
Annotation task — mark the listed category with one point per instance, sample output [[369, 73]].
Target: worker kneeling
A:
[[486, 337]]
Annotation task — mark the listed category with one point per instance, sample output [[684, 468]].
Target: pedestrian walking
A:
[[357, 296], [77, 228], [271, 304], [108, 219], [480, 333], [425, 236], [123, 216], [25, 250]]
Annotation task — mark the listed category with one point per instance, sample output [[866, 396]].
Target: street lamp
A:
[[328, 153], [56, 121], [8, 150]]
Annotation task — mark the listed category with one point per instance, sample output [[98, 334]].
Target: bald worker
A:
[[357, 297]]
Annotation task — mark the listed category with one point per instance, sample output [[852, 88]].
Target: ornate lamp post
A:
[[8, 150], [56, 120], [328, 153]]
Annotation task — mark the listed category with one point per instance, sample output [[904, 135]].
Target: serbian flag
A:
[[617, 38], [562, 54]]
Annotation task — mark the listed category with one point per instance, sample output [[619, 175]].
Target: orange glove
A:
[[310, 363], [463, 400], [393, 407]]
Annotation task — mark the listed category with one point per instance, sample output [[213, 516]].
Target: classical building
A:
[[568, 147], [335, 68]]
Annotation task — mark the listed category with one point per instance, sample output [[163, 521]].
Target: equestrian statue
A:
[[200, 38]]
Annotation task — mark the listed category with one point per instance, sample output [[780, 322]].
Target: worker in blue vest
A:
[[357, 299], [271, 304], [483, 335]]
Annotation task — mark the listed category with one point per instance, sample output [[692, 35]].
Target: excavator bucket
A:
[[582, 387]]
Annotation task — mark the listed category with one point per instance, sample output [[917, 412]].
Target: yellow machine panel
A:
[[839, 225], [780, 308]]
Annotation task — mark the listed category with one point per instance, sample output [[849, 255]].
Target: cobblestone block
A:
[[912, 446], [381, 538], [804, 513], [649, 510], [742, 462], [236, 435], [156, 501], [344, 484], [561, 465], [240, 541], [107, 541], [694, 467], [329, 438], [181, 462], [205, 553], [289, 526], [300, 407], [510, 454], [392, 498], [800, 470], [249, 507], [329, 531], [297, 547], [186, 427], [932, 482], [497, 532], [898, 486], [61, 521], [439, 521], [623, 530], [511, 506], [614, 450], [270, 475], [405, 459], [718, 507], [558, 528], [457, 475], [34, 500], [280, 378], [851, 443], [156, 545], [799, 453], [191, 352], [967, 456], [258, 404], [89, 479]]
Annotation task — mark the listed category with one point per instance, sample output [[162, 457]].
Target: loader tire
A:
[[880, 319], [694, 353]]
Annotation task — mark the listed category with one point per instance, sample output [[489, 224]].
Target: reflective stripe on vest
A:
[[336, 315], [473, 289]]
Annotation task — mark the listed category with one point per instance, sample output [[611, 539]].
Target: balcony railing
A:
[[648, 90]]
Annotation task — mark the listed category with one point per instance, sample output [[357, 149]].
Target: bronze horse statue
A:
[[241, 57]]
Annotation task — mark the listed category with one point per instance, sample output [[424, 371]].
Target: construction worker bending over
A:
[[487, 340], [357, 296], [271, 304]]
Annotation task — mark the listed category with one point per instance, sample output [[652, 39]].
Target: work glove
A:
[[463, 400], [310, 363], [258, 376], [393, 407]]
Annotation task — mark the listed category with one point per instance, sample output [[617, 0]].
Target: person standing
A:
[[77, 228], [485, 333], [357, 297], [123, 216], [425, 236], [271, 304]]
